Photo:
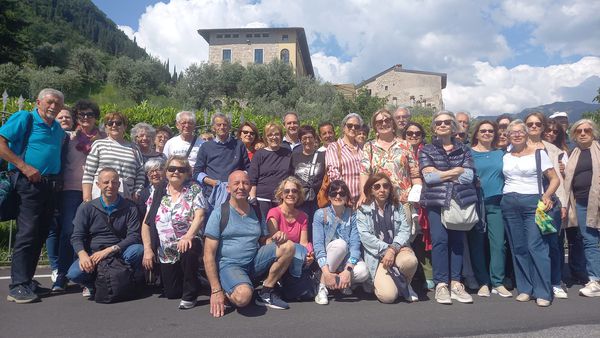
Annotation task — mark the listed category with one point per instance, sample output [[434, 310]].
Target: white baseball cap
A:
[[559, 114]]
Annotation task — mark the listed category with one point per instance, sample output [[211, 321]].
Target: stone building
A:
[[259, 45], [404, 87]]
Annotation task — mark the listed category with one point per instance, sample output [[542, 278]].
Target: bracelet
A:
[[216, 291]]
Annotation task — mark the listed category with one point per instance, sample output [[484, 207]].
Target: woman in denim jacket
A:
[[336, 241], [385, 235]]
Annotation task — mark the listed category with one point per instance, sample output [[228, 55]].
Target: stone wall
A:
[[408, 89]]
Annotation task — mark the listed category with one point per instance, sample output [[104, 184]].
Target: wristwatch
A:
[[115, 248]]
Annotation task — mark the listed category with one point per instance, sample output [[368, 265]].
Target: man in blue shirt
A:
[[234, 257], [31, 142]]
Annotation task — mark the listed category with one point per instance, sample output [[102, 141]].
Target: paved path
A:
[[69, 315]]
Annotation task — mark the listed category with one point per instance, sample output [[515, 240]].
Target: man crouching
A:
[[234, 257]]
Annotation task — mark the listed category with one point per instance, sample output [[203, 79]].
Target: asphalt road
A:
[[70, 315]]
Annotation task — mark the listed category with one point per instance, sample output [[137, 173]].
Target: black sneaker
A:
[[36, 287], [272, 300], [21, 294]]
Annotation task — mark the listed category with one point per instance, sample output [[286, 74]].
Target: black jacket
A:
[[91, 230], [439, 195]]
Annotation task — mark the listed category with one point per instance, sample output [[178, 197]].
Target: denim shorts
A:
[[234, 275]]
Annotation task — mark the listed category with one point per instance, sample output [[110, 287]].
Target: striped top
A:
[[125, 158], [349, 166]]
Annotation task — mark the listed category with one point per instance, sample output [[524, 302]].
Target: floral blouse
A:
[[174, 219], [398, 163]]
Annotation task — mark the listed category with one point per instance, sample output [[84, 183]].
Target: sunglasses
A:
[[536, 124], [84, 115], [181, 170], [383, 121], [483, 131], [340, 193], [461, 135], [378, 186], [114, 123], [248, 132], [583, 131], [353, 126], [414, 134], [552, 131], [444, 122], [290, 191]]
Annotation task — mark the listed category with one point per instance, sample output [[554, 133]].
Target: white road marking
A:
[[36, 276]]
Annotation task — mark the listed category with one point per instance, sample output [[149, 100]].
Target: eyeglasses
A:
[[552, 131], [461, 135], [536, 124], [220, 125], [353, 126], [517, 133], [248, 132], [307, 138], [583, 131], [340, 193], [114, 123], [378, 186], [414, 134], [290, 191], [403, 117], [383, 121], [181, 170], [483, 131], [86, 114], [444, 122]]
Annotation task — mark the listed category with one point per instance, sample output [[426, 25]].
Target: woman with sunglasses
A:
[[173, 235], [582, 185], [520, 197], [555, 134], [344, 155], [79, 146], [337, 244], [385, 235], [118, 153], [448, 171], [248, 133], [535, 123], [269, 166], [488, 167]]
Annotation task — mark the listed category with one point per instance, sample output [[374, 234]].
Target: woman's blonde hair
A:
[[281, 186]]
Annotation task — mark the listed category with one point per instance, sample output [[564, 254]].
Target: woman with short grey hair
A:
[[143, 135]]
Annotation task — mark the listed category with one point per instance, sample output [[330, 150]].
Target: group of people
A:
[[391, 214]]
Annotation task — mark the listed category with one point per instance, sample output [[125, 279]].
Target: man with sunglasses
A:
[[219, 157]]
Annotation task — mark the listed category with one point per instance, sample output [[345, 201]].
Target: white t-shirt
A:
[[520, 174], [178, 146]]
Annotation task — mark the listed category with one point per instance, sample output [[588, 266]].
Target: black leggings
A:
[[180, 279]]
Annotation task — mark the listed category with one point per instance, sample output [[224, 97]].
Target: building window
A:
[[219, 36], [248, 35], [257, 35], [386, 88], [235, 36], [227, 36], [284, 55], [395, 101], [226, 55], [258, 56], [265, 35], [285, 37]]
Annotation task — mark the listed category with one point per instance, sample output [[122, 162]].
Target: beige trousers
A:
[[385, 288]]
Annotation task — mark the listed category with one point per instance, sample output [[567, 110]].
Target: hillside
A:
[[575, 110]]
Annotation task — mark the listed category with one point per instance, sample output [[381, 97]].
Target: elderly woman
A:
[[447, 168], [143, 135], [385, 235], [155, 174], [488, 167], [344, 155], [309, 167], [171, 232], [65, 119], [337, 244], [79, 146], [582, 185], [269, 166], [163, 134], [248, 133], [535, 123], [521, 194], [118, 153]]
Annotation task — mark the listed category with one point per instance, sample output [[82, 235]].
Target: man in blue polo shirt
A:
[[31, 143]]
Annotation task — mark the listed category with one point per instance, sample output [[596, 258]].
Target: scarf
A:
[[384, 225], [84, 141], [593, 207]]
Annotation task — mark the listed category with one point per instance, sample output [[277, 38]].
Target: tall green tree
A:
[[12, 24]]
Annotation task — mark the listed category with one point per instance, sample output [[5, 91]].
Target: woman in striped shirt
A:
[[115, 152], [343, 156]]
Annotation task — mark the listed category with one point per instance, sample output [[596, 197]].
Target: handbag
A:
[[322, 198], [458, 218], [542, 218], [115, 281]]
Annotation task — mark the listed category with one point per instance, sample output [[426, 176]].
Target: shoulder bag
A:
[[322, 198], [542, 218]]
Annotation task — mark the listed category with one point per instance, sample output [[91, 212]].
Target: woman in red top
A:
[[248, 134]]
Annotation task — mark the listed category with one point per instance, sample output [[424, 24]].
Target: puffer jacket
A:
[[440, 194]]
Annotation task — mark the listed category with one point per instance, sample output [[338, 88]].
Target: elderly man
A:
[[291, 124], [401, 117], [106, 225], [220, 156], [187, 143], [464, 120], [31, 143], [238, 252]]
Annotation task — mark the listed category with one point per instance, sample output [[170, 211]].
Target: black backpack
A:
[[115, 281]]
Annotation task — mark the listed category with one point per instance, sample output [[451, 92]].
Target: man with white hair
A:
[[401, 117], [31, 143], [464, 119], [187, 143]]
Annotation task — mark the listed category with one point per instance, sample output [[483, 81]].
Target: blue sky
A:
[[500, 55]]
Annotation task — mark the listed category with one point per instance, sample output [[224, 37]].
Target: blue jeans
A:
[[68, 203], [132, 255], [52, 243], [530, 250], [591, 243], [557, 256], [447, 249]]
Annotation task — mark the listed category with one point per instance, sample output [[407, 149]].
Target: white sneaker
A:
[[591, 289], [501, 291], [86, 292], [413, 295], [559, 292], [484, 291], [457, 292], [54, 276], [322, 296], [442, 294], [186, 304]]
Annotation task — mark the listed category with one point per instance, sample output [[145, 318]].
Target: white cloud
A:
[[127, 30]]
